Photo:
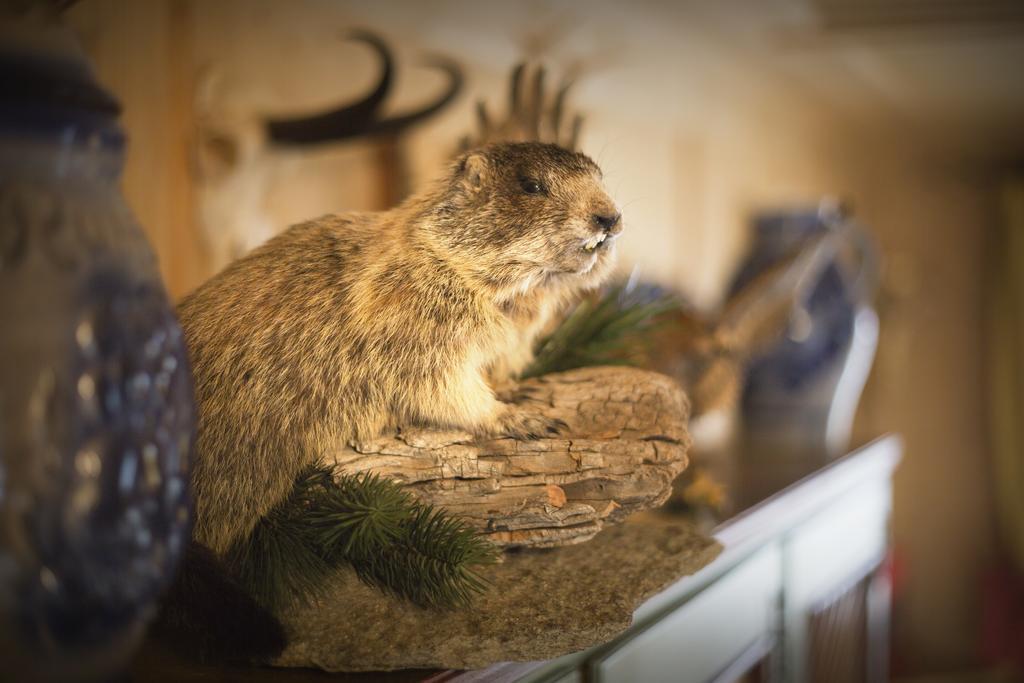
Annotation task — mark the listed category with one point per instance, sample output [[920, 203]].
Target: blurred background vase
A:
[[97, 416], [802, 391]]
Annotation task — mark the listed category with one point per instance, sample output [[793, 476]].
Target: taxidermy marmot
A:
[[346, 325]]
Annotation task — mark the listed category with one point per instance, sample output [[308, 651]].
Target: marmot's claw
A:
[[557, 426], [520, 424], [522, 394]]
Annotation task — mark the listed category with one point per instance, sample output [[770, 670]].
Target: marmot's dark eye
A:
[[531, 186]]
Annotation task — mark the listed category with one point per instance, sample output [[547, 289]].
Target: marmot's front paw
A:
[[519, 393], [526, 424]]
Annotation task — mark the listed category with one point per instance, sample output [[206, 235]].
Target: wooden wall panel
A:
[[141, 52]]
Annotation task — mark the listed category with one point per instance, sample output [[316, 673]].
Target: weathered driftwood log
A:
[[626, 442]]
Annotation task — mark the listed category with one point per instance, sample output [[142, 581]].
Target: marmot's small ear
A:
[[474, 172]]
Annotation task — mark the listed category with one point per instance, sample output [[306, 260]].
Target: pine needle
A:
[[431, 565], [280, 561], [608, 329], [355, 515], [393, 543]]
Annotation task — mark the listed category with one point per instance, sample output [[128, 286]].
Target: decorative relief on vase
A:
[[111, 435]]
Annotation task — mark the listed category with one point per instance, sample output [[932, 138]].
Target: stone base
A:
[[542, 604]]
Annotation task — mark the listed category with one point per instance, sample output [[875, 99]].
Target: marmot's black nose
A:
[[606, 222]]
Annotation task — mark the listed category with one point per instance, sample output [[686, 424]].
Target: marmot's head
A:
[[519, 215]]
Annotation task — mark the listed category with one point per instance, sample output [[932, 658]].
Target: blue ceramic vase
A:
[[97, 416], [802, 392]]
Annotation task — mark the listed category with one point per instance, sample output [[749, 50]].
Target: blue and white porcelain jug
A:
[[96, 394], [802, 392]]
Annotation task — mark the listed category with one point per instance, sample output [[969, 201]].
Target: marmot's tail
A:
[[209, 616]]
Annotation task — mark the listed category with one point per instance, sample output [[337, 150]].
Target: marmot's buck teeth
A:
[[594, 242]]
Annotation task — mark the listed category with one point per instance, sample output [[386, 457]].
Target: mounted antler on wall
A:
[[532, 114], [241, 155], [363, 119]]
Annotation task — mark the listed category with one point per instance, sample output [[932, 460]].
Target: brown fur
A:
[[346, 325]]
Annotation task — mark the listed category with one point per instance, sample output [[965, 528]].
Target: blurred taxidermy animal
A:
[[241, 155]]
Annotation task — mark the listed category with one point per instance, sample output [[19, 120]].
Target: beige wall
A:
[[699, 116]]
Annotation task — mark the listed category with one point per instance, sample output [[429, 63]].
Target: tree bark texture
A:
[[625, 443]]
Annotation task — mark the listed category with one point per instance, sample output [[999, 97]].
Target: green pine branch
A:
[[393, 543], [431, 564], [280, 558], [606, 329], [356, 515]]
